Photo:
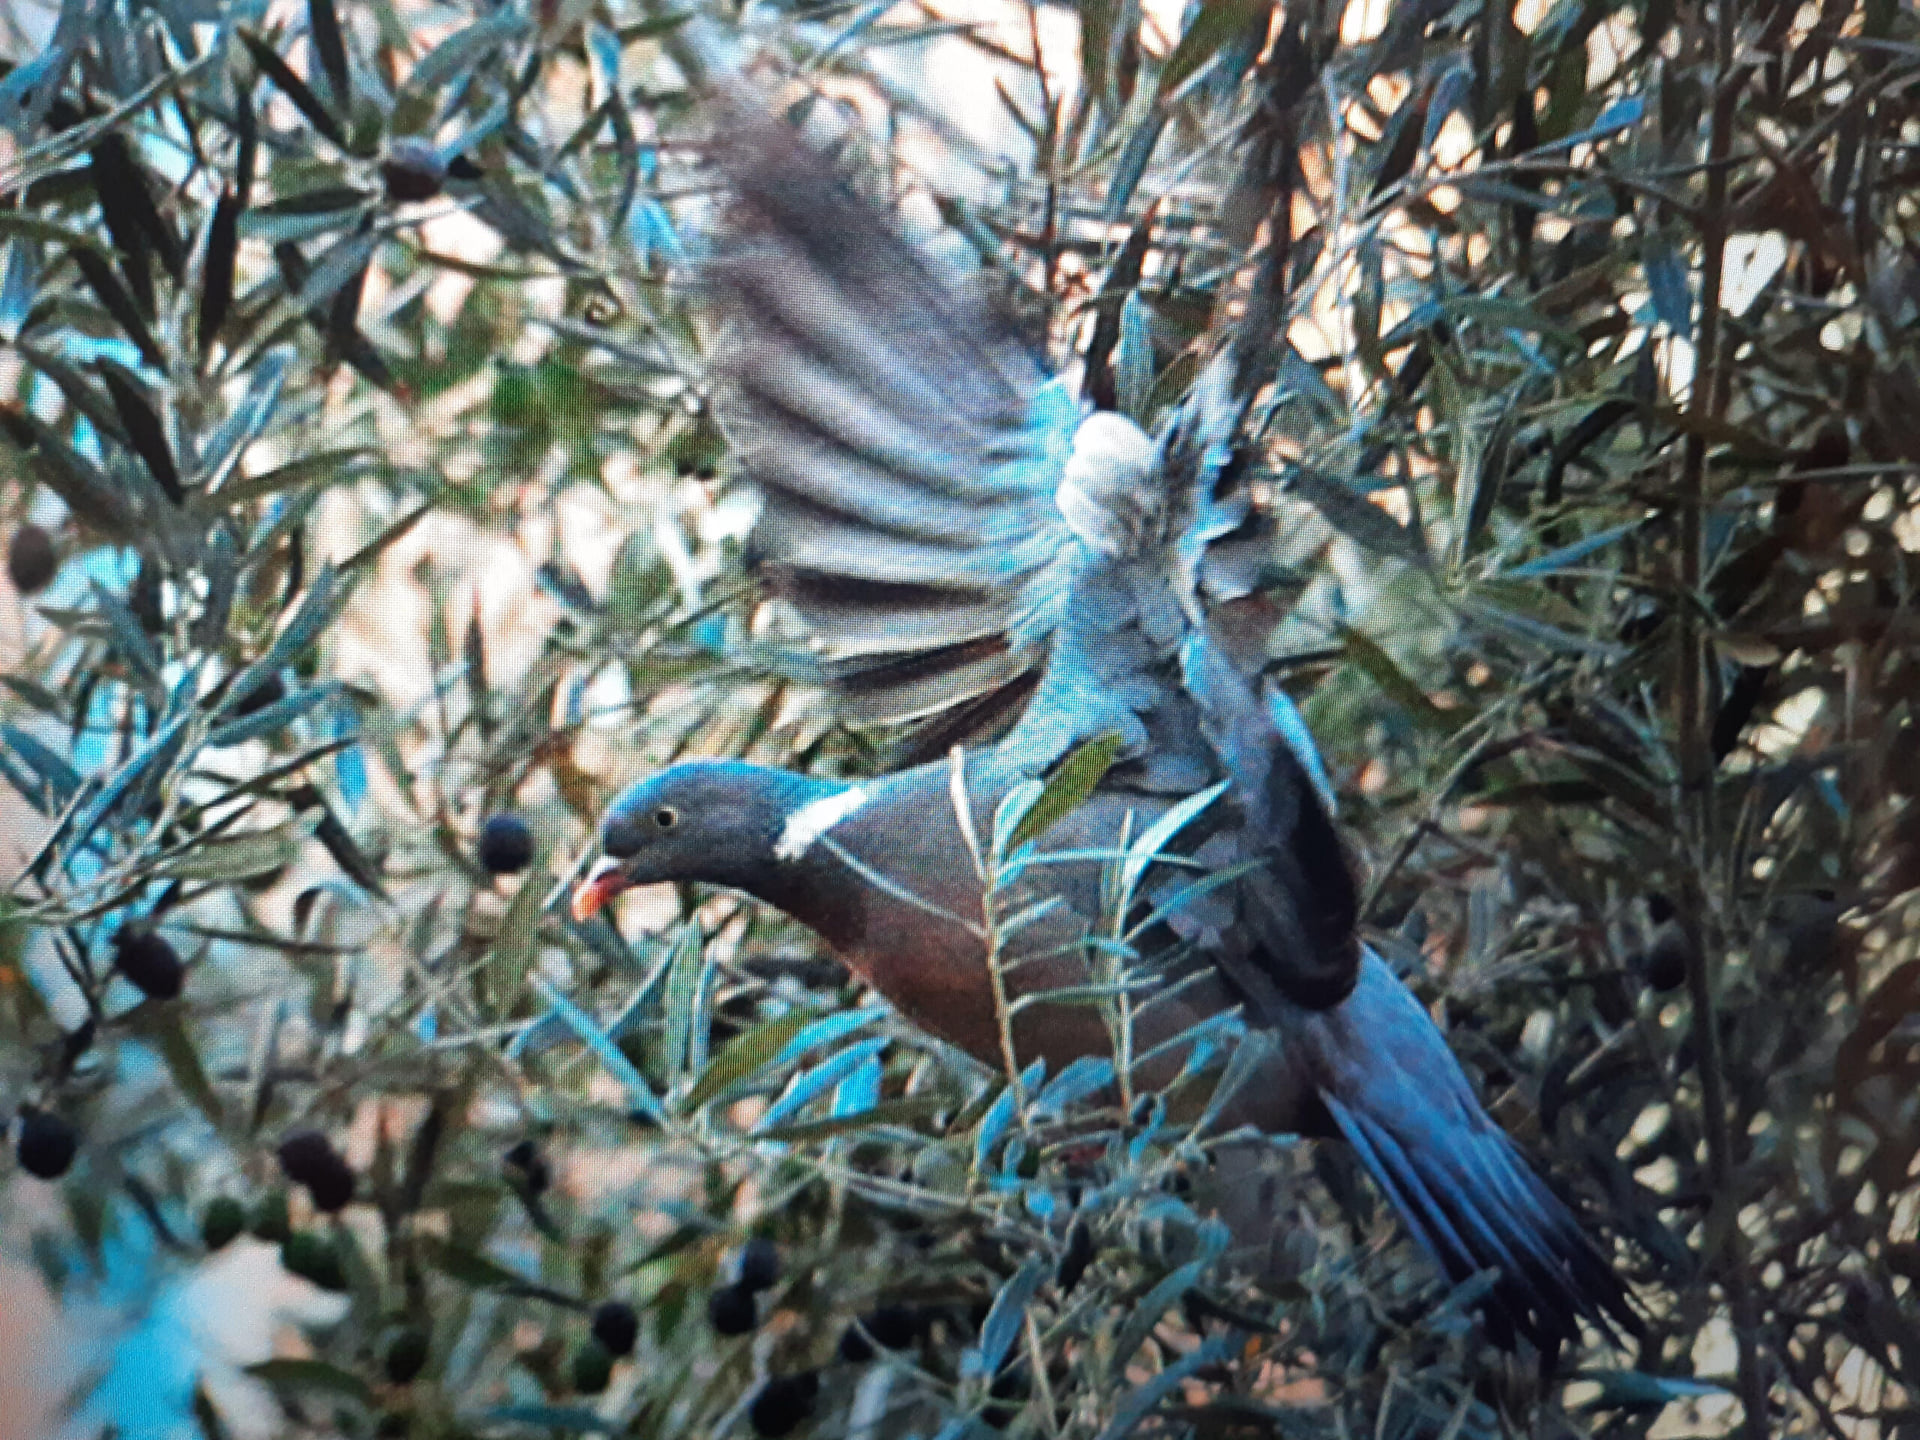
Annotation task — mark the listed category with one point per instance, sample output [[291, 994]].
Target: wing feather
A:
[[906, 444]]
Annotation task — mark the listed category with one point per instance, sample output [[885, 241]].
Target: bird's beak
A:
[[604, 881]]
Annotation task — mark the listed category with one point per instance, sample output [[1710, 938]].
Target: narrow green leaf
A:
[[1141, 1399], [80, 394], [611, 1058], [1072, 781], [745, 1056], [1155, 838], [323, 28], [236, 857], [1151, 1310], [244, 489], [183, 1064], [1097, 21], [145, 433], [476, 1271], [313, 1375], [1218, 23], [463, 50], [1572, 554], [1355, 516], [118, 303], [1398, 685], [292, 86], [512, 951], [126, 204], [216, 285], [688, 957], [907, 1111], [1133, 359]]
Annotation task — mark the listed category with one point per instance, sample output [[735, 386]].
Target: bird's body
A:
[[883, 871], [882, 868], [971, 552]]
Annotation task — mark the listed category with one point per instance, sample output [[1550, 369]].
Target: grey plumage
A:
[[970, 555]]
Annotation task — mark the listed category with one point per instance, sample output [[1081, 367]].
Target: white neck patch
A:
[[814, 819]]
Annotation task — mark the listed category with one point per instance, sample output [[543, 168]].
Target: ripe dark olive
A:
[[308, 1158], [405, 1354], [616, 1327], [506, 845], [32, 560], [783, 1402], [592, 1367], [731, 1310], [854, 1348], [891, 1327], [332, 1190], [1664, 961], [46, 1144], [412, 170], [524, 1158], [759, 1266], [148, 961], [304, 1155], [221, 1222]]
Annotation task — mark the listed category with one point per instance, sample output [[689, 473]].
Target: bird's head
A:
[[718, 821]]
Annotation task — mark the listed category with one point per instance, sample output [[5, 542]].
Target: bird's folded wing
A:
[[906, 445]]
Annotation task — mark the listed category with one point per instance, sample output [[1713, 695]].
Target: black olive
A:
[[759, 1265], [731, 1310], [413, 169], [506, 845], [332, 1189], [32, 560], [891, 1327], [783, 1402], [854, 1348], [1011, 1386], [405, 1354], [148, 961], [46, 1144], [270, 691], [524, 1157], [308, 1158], [616, 1327], [304, 1155]]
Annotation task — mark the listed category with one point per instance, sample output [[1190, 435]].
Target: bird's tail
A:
[[1395, 1092]]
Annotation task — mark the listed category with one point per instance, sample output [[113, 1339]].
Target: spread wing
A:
[[962, 547], [906, 445]]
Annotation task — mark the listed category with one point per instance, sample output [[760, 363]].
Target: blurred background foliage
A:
[[366, 529]]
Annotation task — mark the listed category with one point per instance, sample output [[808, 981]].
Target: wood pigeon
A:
[[970, 551]]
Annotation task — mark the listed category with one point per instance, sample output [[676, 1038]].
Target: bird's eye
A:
[[666, 817]]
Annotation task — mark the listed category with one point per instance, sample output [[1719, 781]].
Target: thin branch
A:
[[1693, 726]]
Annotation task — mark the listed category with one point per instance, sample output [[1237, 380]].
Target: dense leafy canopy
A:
[[362, 504]]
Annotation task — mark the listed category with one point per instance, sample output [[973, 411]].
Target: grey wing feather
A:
[[906, 445]]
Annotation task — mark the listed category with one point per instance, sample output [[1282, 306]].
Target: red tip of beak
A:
[[603, 882]]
